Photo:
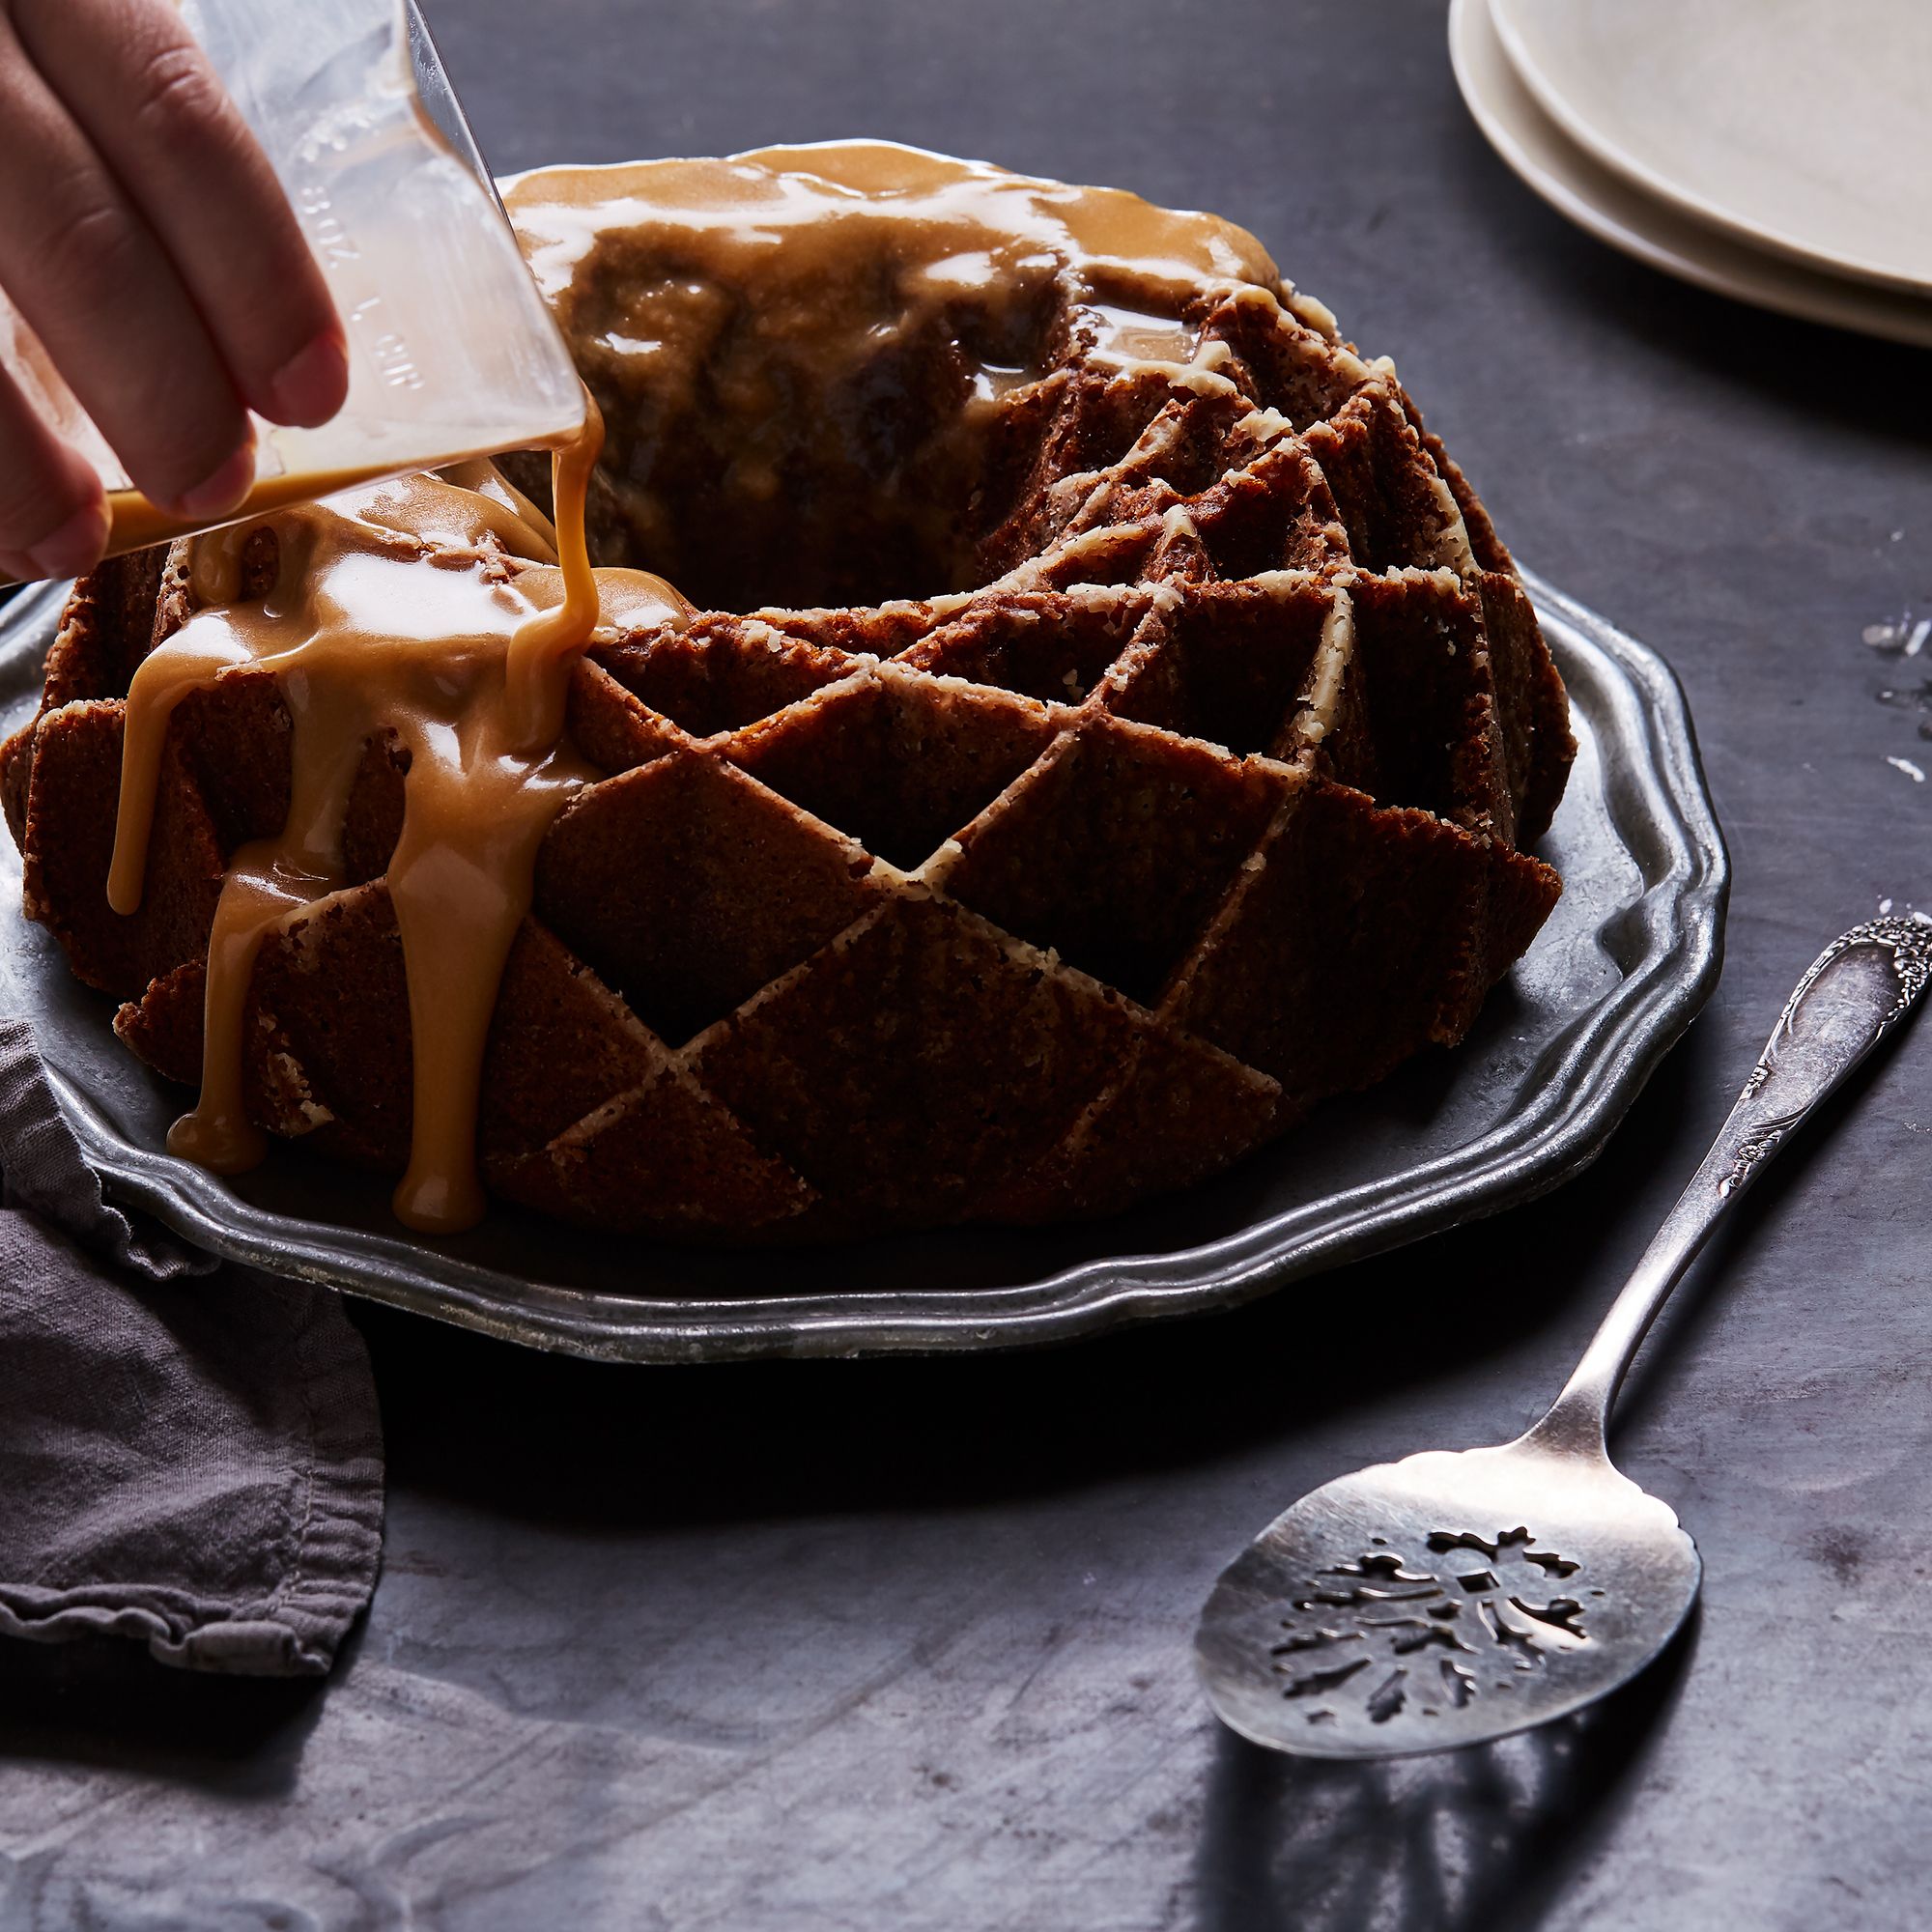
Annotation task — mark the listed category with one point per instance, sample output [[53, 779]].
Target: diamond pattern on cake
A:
[[1355, 938], [865, 1070], [67, 841], [720, 673], [1114, 850], [1215, 771], [1429, 701], [686, 886], [1276, 514], [1056, 648], [1288, 368], [1533, 714], [899, 761], [1234, 663], [1394, 504], [1175, 1110], [611, 727], [662, 1156]]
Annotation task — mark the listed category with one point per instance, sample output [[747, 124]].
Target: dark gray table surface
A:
[[905, 1644]]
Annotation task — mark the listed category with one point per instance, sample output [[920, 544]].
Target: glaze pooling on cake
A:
[[809, 357], [1193, 786]]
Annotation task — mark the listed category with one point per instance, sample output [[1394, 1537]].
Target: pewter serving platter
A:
[[1560, 1051]]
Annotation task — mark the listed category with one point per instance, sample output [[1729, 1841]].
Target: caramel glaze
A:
[[828, 241], [446, 610], [780, 312], [814, 360]]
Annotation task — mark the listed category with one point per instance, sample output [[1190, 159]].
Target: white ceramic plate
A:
[[1612, 209], [1799, 126]]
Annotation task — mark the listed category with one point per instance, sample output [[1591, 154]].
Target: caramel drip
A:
[[448, 613]]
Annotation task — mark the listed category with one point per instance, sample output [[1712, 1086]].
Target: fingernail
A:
[[311, 385], [221, 492], [75, 547]]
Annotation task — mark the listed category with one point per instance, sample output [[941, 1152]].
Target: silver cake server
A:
[[1454, 1597]]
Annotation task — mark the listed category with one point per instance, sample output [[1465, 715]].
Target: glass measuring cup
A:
[[451, 351]]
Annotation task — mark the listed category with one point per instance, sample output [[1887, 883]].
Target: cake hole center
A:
[[844, 429]]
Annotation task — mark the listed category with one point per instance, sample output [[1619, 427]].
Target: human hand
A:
[[146, 242]]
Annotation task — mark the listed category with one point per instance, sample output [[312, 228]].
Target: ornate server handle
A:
[[1854, 994]]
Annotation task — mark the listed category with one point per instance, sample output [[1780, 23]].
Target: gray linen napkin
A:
[[190, 1454]]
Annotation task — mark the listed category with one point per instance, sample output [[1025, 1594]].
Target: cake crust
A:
[[1202, 791]]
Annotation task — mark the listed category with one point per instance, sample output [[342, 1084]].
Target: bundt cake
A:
[[1103, 724]]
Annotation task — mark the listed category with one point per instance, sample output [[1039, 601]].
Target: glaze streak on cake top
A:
[[809, 357]]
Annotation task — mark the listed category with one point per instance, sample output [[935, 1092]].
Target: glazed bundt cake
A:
[[1108, 727]]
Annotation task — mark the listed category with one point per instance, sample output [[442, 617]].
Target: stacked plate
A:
[[1770, 150]]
